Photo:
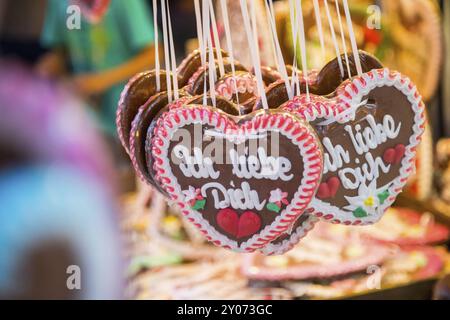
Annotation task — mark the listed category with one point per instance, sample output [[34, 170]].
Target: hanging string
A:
[[294, 29], [198, 19], [281, 67], [333, 36], [270, 12], [303, 45], [173, 56], [344, 45], [352, 38], [166, 50], [253, 43], [216, 39], [226, 22], [205, 18], [319, 27], [272, 38], [209, 48], [259, 79], [155, 29]]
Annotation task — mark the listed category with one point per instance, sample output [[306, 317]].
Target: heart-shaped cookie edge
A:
[[121, 109], [285, 123]]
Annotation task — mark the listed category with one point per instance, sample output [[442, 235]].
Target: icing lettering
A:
[[367, 172], [261, 167], [363, 141], [244, 198], [373, 135], [244, 166], [196, 166], [338, 156]]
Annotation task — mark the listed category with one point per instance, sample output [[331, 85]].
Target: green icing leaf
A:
[[273, 207], [383, 196], [199, 204], [360, 213]]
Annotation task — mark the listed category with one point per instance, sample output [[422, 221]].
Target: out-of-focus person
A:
[[112, 42], [59, 234]]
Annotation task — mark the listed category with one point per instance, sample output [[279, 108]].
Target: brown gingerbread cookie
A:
[[234, 177]]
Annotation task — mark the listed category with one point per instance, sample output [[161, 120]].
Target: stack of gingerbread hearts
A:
[[252, 175]]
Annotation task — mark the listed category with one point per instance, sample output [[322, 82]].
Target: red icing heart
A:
[[399, 153], [249, 224], [328, 189], [324, 191], [240, 227], [394, 155], [228, 220], [389, 155], [334, 183]]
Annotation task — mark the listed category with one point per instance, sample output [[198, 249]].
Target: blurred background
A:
[[75, 223]]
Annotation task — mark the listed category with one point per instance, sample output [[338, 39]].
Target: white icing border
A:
[[290, 126]]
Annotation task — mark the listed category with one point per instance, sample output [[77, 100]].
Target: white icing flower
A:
[[277, 196], [367, 199]]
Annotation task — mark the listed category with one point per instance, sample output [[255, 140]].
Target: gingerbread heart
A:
[[369, 131], [200, 79], [136, 93], [243, 181], [238, 88], [192, 63]]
